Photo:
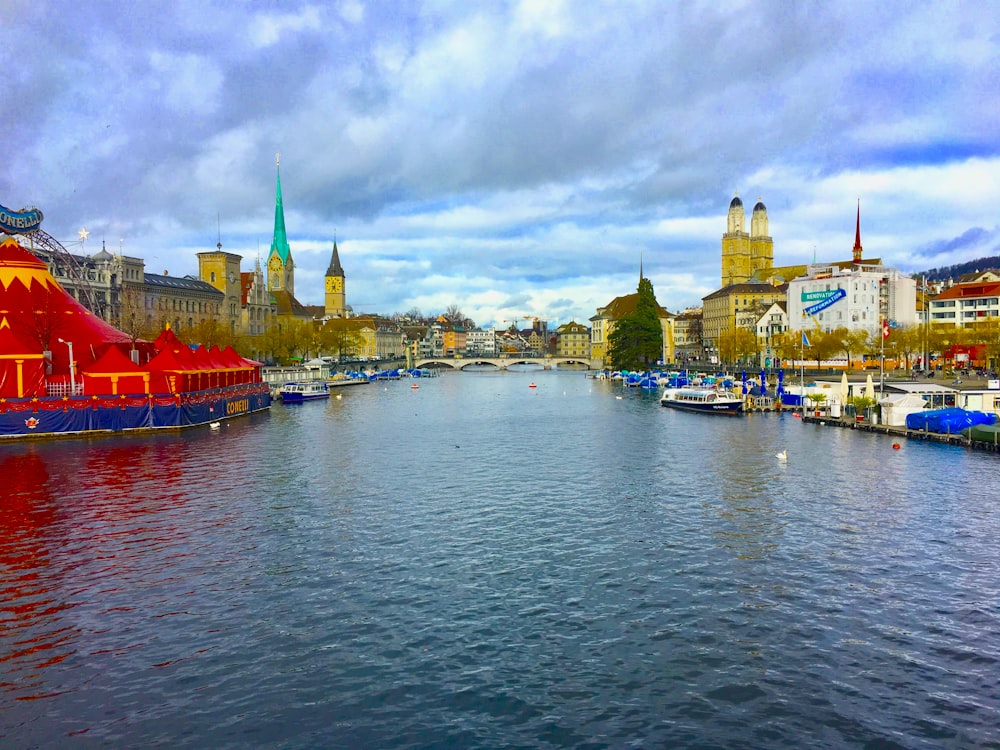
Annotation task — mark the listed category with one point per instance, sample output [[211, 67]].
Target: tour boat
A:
[[309, 390], [707, 400]]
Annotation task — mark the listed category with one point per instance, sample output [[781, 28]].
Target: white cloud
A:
[[521, 152], [267, 29]]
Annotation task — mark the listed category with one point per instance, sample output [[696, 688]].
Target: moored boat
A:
[[309, 390], [708, 400], [343, 379]]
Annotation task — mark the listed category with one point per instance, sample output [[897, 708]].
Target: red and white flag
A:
[[885, 329]]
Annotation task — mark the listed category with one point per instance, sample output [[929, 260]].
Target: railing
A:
[[62, 388]]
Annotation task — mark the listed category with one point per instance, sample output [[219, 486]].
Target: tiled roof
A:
[[182, 282], [619, 307], [286, 304], [975, 289], [748, 287]]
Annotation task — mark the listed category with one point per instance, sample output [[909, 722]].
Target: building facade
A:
[[721, 308], [573, 340], [688, 336], [602, 325], [482, 341], [967, 304], [855, 297]]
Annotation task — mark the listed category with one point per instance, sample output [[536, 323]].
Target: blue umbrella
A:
[[744, 382], [781, 387], [763, 383]]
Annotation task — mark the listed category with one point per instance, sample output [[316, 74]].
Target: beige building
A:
[[182, 301], [721, 308], [603, 324], [573, 340], [687, 335]]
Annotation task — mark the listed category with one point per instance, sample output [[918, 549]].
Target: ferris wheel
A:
[[66, 265]]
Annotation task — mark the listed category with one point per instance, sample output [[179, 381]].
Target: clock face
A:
[[334, 284]]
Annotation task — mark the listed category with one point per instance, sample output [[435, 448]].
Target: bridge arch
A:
[[500, 363]]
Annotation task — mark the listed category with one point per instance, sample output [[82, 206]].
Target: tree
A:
[[824, 345], [338, 338], [287, 340], [904, 343], [737, 344], [855, 342], [988, 334], [786, 345], [209, 332], [636, 343], [132, 318]]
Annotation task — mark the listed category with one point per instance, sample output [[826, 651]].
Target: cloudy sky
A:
[[512, 158]]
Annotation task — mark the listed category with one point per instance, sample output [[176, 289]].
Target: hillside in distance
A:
[[953, 272]]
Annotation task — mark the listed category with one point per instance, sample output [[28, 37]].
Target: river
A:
[[475, 563]]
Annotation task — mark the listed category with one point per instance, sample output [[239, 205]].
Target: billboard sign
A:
[[19, 222], [825, 300]]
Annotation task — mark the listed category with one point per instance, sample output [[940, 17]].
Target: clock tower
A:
[[280, 266], [335, 300]]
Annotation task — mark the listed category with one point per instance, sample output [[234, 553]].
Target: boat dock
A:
[[902, 432]]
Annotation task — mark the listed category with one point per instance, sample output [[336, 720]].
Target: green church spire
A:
[[279, 244]]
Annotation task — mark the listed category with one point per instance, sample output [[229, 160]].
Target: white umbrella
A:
[[869, 388], [845, 389]]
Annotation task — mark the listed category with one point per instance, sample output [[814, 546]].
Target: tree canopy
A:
[[636, 342]]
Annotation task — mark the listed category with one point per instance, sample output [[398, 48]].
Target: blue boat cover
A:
[[948, 421]]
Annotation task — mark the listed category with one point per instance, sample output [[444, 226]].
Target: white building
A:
[[853, 296], [769, 326], [481, 341]]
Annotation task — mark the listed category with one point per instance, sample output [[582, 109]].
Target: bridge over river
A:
[[502, 363]]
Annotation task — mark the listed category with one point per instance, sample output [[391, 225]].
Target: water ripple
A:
[[476, 565]]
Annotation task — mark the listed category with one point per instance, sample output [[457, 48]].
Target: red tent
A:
[[40, 310], [22, 365], [115, 373]]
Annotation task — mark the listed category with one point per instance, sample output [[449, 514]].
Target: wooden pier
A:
[[901, 432]]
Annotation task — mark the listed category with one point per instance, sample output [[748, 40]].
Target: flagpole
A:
[[881, 377], [802, 382]]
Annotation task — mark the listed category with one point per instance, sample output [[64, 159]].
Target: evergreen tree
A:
[[636, 343]]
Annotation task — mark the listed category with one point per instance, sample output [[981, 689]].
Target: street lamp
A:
[[72, 367]]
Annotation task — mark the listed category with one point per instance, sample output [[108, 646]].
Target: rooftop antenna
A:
[[218, 219]]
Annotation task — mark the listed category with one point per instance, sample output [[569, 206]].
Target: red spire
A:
[[857, 236]]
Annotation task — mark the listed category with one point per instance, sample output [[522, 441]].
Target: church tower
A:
[[735, 246], [745, 254], [335, 301], [280, 266], [761, 244], [858, 250]]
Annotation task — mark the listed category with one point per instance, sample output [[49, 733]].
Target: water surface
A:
[[478, 564]]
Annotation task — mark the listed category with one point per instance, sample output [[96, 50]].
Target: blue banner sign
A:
[[19, 222], [830, 298]]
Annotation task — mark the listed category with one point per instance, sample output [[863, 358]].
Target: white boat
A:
[[308, 390], [708, 400]]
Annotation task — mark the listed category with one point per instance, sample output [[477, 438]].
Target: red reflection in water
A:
[[78, 529], [27, 601]]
